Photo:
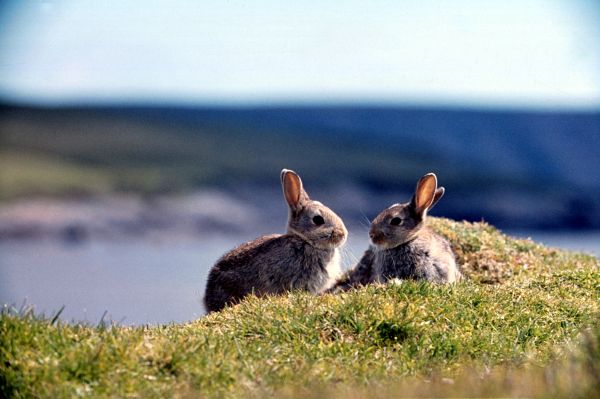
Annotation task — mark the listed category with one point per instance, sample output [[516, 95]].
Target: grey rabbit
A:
[[306, 257], [403, 247]]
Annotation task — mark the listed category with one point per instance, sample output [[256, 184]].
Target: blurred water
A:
[[147, 281], [135, 282]]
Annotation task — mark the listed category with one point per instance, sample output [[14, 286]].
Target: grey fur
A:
[[408, 250], [427, 257], [306, 257]]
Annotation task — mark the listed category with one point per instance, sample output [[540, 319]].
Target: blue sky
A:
[[543, 54]]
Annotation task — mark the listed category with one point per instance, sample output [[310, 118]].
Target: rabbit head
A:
[[401, 223], [310, 220]]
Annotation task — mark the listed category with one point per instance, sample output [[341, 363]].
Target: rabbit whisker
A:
[[349, 255], [366, 218]]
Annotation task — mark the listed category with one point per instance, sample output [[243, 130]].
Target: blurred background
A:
[[139, 141]]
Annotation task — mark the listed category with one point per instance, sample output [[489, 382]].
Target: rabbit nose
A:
[[337, 233]]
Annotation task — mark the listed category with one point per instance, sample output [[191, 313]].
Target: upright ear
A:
[[439, 193], [424, 194], [292, 189]]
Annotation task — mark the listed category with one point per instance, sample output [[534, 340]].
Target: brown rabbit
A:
[[306, 257], [403, 247]]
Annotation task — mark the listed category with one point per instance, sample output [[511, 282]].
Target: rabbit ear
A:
[[424, 197], [292, 189], [439, 193]]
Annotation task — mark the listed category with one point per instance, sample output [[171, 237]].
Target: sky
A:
[[510, 53]]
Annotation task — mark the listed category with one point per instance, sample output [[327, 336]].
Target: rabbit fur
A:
[[305, 258], [403, 247]]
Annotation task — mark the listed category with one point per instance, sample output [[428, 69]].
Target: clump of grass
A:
[[369, 340], [573, 374], [487, 256]]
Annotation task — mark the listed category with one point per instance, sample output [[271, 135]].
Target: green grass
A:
[[513, 328]]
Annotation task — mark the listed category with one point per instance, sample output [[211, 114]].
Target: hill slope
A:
[[369, 339]]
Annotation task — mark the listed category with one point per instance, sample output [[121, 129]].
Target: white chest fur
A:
[[334, 269]]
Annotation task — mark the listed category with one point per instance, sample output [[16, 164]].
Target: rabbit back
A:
[[271, 264]]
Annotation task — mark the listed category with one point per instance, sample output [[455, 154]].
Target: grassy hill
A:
[[514, 327]]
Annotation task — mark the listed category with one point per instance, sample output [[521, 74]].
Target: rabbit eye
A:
[[318, 220], [396, 221]]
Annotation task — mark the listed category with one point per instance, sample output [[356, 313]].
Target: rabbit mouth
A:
[[323, 239], [381, 240], [377, 236], [337, 237], [378, 239]]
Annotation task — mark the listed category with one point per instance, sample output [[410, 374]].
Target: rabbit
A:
[[403, 247], [306, 257]]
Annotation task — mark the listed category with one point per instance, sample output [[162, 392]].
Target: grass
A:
[[525, 322]]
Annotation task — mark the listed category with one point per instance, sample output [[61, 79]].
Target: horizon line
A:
[[295, 103]]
